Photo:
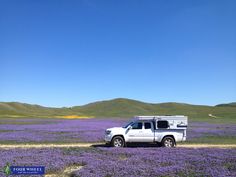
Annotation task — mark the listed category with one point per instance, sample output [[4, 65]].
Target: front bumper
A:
[[108, 138]]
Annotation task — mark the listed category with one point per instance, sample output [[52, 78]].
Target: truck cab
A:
[[165, 130]]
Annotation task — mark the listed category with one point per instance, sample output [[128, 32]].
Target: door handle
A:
[[140, 131]]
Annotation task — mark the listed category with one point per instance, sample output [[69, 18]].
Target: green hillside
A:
[[16, 109], [128, 108], [123, 108], [115, 108], [233, 104]]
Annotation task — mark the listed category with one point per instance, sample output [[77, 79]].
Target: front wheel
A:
[[168, 142], [118, 141]]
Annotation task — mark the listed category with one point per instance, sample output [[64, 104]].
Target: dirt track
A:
[[208, 145], [26, 146]]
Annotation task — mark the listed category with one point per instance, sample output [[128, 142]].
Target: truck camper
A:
[[164, 130]]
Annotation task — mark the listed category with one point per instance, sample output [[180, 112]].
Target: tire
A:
[[168, 142], [118, 141]]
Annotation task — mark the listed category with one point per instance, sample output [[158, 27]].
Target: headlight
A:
[[108, 132]]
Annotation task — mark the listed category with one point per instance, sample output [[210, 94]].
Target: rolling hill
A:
[[233, 104], [16, 109], [121, 108]]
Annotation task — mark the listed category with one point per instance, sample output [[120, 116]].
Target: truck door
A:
[[162, 128], [148, 132], [134, 134]]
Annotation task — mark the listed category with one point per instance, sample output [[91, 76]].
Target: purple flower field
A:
[[56, 130], [109, 162], [200, 129], [87, 130], [130, 162]]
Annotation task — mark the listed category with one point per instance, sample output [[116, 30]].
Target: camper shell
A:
[[172, 122]]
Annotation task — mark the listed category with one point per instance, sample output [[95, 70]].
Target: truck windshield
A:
[[126, 126]]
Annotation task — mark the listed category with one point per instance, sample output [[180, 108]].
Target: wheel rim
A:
[[168, 143], [117, 142]]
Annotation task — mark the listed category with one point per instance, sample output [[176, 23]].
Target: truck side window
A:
[[147, 125], [137, 125], [162, 124]]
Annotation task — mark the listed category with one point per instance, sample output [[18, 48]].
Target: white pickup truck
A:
[[164, 130]]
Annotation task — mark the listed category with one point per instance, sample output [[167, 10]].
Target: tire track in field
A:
[[207, 145], [28, 146]]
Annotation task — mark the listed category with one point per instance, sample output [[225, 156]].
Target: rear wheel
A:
[[118, 141], [168, 142]]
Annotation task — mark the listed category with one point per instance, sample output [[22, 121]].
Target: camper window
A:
[[162, 124]]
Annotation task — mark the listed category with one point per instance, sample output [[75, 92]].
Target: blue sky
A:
[[64, 53]]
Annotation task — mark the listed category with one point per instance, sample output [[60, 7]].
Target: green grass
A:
[[2, 131], [225, 113], [129, 108]]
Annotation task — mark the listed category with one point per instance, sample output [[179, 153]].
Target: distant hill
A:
[[127, 108], [16, 109], [233, 104], [120, 108], [117, 107]]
